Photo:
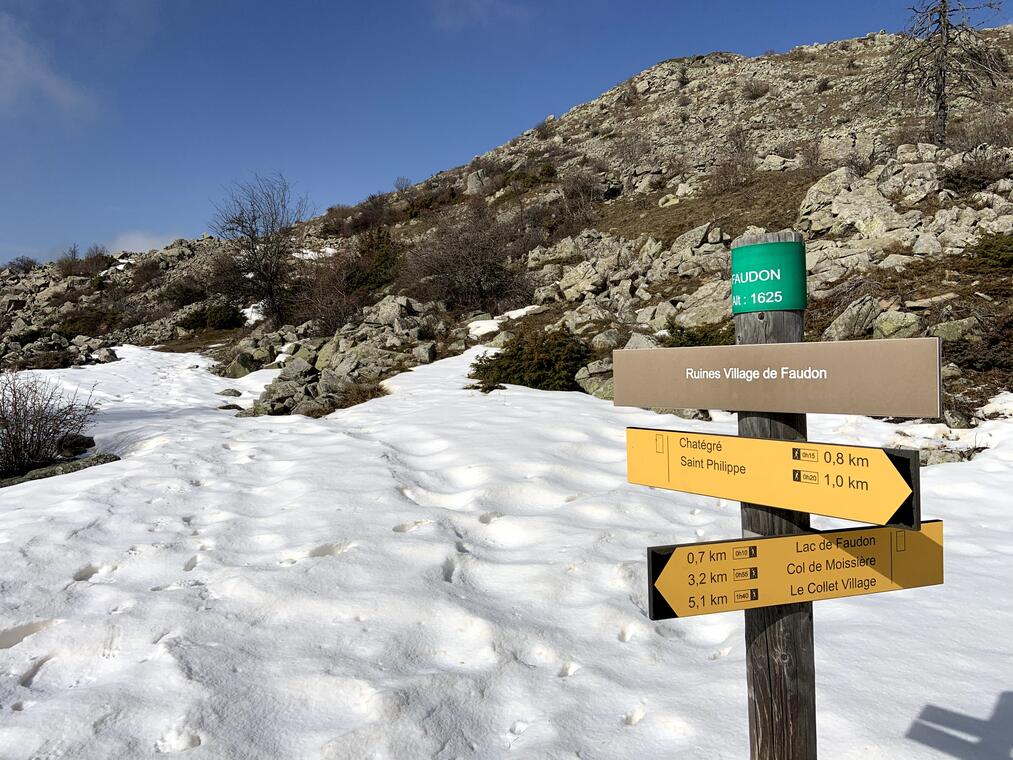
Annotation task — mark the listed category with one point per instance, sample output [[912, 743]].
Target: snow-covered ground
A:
[[444, 574]]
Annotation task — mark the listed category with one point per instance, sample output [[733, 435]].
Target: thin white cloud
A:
[[454, 15], [138, 241], [26, 75]]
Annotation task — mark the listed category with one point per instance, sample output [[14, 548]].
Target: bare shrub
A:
[[544, 129], [809, 152], [146, 274], [372, 212], [472, 263], [858, 163], [360, 393], [332, 289], [35, 420], [979, 169], [257, 219], [22, 264], [631, 150], [96, 260], [431, 196], [736, 167], [984, 129], [823, 84], [582, 192], [183, 291], [68, 261], [754, 89], [324, 296], [678, 164], [628, 95], [402, 185], [335, 220], [786, 150], [379, 257]]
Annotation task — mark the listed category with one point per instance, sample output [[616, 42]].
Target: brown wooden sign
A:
[[885, 378]]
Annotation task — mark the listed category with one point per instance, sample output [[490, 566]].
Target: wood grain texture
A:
[[780, 664]]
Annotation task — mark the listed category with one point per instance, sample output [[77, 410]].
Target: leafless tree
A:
[[22, 264], [402, 184], [324, 296], [737, 164], [582, 192], [258, 219], [35, 420], [470, 263], [944, 58]]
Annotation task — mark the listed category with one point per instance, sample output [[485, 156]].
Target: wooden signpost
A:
[[781, 566]]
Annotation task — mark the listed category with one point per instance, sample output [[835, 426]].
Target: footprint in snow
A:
[[177, 740], [324, 550], [11, 637], [409, 527], [28, 677], [111, 644], [92, 570], [332, 550], [568, 669], [634, 716], [449, 569]]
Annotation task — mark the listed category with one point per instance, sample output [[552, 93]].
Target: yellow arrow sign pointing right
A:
[[878, 486]]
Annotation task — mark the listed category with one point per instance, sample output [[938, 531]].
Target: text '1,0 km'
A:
[[888, 378], [720, 576], [878, 486]]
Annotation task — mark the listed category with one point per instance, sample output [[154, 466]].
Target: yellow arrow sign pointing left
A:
[[720, 576], [878, 486]]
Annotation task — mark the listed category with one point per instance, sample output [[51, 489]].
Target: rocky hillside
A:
[[613, 222]]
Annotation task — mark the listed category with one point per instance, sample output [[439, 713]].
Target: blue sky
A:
[[121, 121]]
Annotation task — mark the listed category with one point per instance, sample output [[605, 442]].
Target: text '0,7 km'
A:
[[721, 576], [878, 486]]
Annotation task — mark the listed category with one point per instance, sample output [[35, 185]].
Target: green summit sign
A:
[[768, 277]]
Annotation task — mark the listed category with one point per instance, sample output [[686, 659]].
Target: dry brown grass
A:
[[769, 200], [213, 343], [981, 362]]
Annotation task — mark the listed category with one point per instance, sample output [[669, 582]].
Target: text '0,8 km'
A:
[[878, 486], [698, 579]]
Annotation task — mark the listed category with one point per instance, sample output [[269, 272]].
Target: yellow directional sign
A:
[[698, 579], [878, 486]]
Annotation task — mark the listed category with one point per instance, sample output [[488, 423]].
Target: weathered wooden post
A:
[[780, 666]]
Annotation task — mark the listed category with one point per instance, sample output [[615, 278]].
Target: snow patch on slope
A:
[[435, 573]]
